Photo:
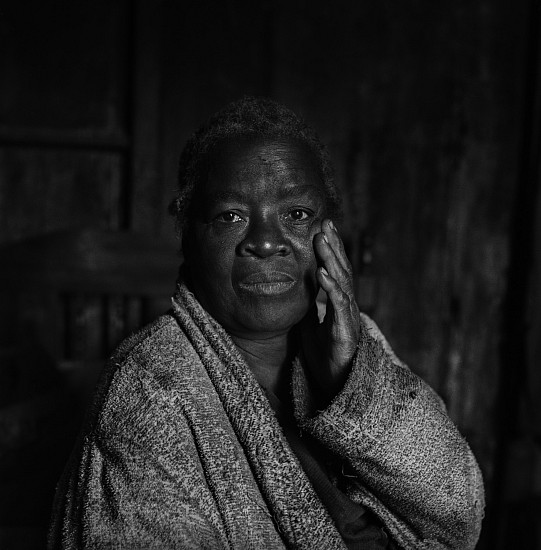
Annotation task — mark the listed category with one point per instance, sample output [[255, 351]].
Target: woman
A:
[[238, 420]]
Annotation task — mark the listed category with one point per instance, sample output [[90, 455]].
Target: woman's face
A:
[[249, 247]]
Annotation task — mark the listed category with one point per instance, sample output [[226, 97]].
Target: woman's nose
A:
[[264, 238]]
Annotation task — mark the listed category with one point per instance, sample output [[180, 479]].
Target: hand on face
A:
[[329, 346]]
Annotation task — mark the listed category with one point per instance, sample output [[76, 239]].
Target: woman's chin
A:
[[272, 318]]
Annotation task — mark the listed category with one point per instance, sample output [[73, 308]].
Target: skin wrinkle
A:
[[264, 229], [249, 118]]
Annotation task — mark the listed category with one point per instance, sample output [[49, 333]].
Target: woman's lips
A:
[[267, 283]]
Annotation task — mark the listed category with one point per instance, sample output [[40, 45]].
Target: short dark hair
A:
[[250, 116]]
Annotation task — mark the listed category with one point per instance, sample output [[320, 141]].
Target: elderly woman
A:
[[238, 419]]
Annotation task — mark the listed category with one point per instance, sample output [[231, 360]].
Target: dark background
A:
[[432, 112]]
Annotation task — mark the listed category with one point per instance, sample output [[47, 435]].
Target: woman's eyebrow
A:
[[225, 196], [300, 191]]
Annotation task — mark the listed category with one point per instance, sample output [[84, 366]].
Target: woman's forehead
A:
[[250, 191], [284, 161]]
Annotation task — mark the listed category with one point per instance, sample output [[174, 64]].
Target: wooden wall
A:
[[423, 104]]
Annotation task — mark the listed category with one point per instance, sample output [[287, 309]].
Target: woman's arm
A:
[[135, 480], [406, 459], [403, 455]]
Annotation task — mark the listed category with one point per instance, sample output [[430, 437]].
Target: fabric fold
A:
[[299, 514]]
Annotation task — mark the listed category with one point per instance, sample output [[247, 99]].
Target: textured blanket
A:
[[182, 450]]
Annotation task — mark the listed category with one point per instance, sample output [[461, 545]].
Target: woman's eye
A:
[[299, 215], [228, 217]]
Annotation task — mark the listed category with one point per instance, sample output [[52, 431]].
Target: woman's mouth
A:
[[267, 283]]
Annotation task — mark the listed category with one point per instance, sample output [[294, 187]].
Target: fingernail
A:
[[331, 225], [324, 272]]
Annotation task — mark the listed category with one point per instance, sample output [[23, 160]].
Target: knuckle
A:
[[342, 299]]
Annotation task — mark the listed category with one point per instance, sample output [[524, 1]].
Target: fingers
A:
[[335, 277], [341, 319], [331, 254], [340, 328], [336, 244], [338, 297]]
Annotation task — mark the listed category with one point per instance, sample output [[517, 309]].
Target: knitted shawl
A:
[[182, 450]]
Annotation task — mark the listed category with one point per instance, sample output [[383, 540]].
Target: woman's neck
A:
[[269, 360]]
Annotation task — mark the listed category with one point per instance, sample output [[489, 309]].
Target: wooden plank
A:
[[516, 505], [531, 421], [115, 328], [48, 190], [105, 262], [93, 140], [133, 313], [63, 66], [146, 179], [9, 350]]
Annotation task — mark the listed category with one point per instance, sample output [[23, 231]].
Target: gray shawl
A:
[[182, 450]]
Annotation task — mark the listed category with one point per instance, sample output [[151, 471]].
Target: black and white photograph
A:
[[270, 275]]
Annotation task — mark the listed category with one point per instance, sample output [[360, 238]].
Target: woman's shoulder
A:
[[148, 338], [148, 369], [160, 344]]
